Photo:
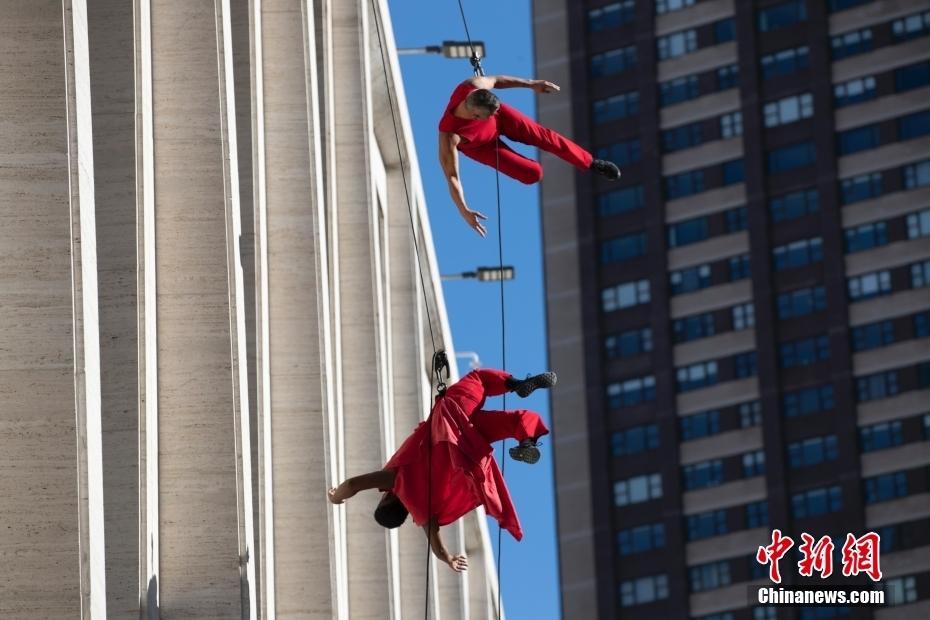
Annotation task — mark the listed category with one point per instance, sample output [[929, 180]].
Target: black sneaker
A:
[[606, 168], [525, 387], [526, 452]]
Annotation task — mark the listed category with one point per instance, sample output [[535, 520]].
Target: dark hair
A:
[[391, 513], [483, 98]]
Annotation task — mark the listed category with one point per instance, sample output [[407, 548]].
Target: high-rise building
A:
[[740, 324]]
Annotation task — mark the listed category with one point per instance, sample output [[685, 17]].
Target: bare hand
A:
[[545, 86], [458, 563], [473, 218]]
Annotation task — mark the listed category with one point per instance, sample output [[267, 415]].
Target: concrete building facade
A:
[[211, 310], [746, 310]]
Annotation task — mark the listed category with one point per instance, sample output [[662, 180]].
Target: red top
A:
[[464, 473], [473, 132]]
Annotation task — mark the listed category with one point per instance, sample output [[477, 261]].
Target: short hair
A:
[[483, 98], [391, 514]]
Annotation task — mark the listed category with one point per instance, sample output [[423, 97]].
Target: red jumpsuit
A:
[[464, 473], [481, 137]]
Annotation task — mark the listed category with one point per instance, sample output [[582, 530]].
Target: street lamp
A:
[[449, 49], [484, 274], [473, 360]]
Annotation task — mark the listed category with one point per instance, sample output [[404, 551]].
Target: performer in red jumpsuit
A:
[[457, 438], [474, 122]]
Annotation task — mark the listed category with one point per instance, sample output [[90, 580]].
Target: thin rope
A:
[[437, 377], [475, 61], [500, 261]]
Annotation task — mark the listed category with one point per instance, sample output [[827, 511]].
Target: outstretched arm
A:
[[449, 159], [381, 479], [506, 81], [458, 563]]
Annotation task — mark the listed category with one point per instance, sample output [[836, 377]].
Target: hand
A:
[[458, 563], [473, 219], [545, 86]]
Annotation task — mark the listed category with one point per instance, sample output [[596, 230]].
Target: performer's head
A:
[[482, 103], [390, 512]]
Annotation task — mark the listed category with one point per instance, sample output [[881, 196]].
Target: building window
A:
[[927, 426], [807, 401], [750, 414], [724, 30], [678, 90], [614, 108], [881, 436], [696, 376], [817, 502], [613, 62], [693, 327], [900, 590], [753, 464], [625, 295], [688, 231], [638, 489], [791, 157], [876, 386], [860, 187], [869, 285], [727, 77], [689, 279], [812, 451], [914, 125], [920, 274], [611, 16], [631, 392], [794, 205], [643, 590], [639, 539], [804, 352], [731, 125], [912, 26], [912, 76], [735, 219], [851, 43], [667, 6], [683, 137], [733, 172], [621, 201], [703, 475], [917, 175], [921, 323], [885, 487], [821, 612], [918, 224], [623, 248], [634, 440], [629, 343], [743, 316], [854, 91], [684, 184], [677, 44], [798, 254], [858, 139], [801, 302], [866, 237], [699, 425], [709, 576], [726, 615], [706, 525], [781, 15], [788, 110], [739, 267], [757, 514], [842, 5], [785, 62], [872, 336], [621, 153], [744, 365]]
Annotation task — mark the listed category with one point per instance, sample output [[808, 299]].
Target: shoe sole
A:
[[529, 455], [544, 380]]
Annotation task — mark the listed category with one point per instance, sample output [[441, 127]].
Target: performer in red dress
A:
[[457, 438], [474, 122]]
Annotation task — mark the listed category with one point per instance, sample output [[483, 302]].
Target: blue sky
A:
[[529, 568]]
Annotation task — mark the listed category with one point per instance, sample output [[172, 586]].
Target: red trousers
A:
[[515, 125], [472, 390]]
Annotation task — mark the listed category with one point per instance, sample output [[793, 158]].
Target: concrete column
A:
[[295, 393], [52, 487], [194, 324]]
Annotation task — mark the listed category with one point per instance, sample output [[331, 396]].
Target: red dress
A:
[[464, 473]]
